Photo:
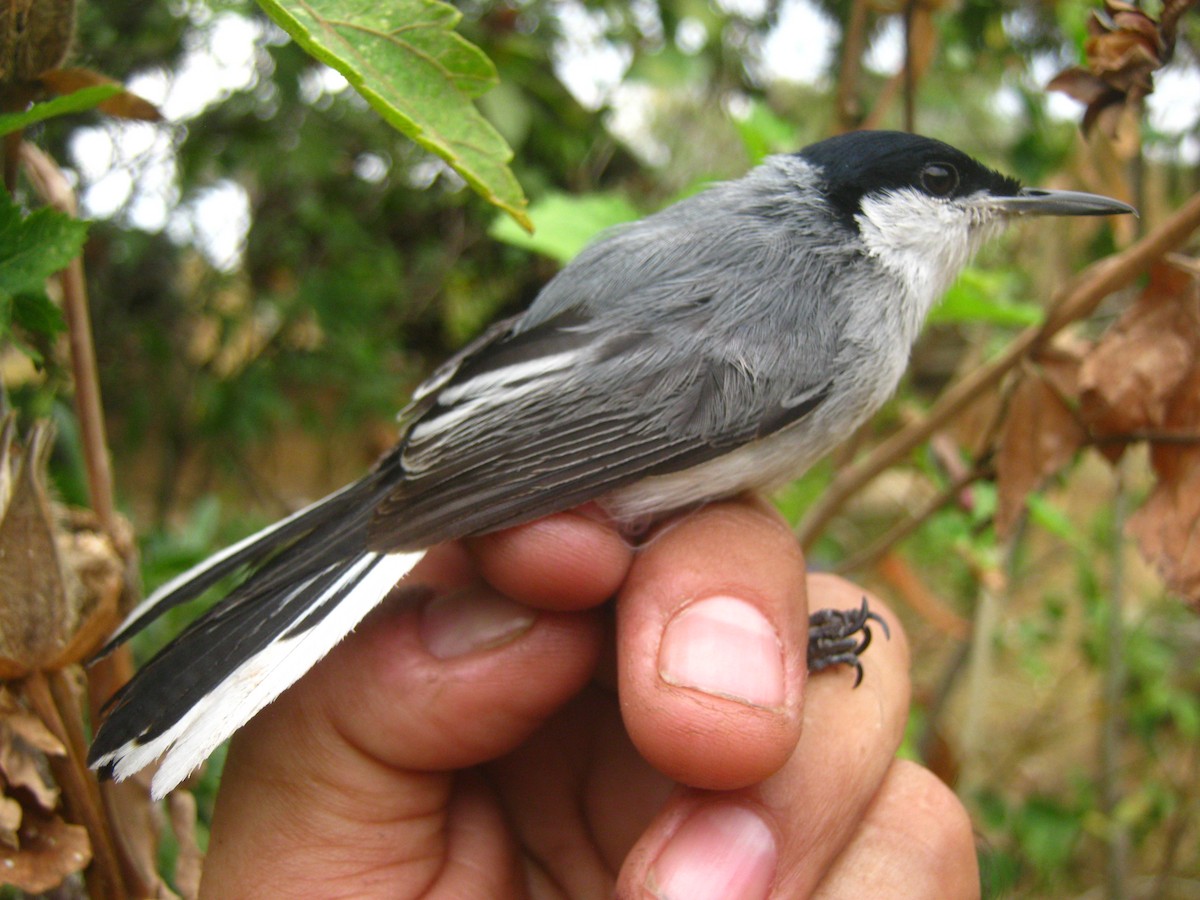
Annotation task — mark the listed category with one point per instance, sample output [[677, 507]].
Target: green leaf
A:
[[980, 296], [1055, 520], [36, 313], [35, 247], [405, 59], [564, 223], [763, 132], [669, 68], [79, 101]]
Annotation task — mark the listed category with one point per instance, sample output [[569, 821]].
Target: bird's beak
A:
[[1041, 202]]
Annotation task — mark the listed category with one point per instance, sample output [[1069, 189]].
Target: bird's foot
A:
[[839, 637]]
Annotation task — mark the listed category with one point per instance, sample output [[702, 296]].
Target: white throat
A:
[[924, 242]]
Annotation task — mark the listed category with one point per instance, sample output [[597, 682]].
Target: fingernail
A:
[[471, 619], [720, 852], [724, 646]]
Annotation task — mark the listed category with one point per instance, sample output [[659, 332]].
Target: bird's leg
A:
[[833, 637]]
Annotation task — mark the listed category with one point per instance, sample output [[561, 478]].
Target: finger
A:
[[573, 560], [348, 764], [449, 681], [849, 742], [778, 838], [712, 628], [915, 841]]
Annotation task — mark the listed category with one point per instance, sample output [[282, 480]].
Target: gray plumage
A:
[[724, 343]]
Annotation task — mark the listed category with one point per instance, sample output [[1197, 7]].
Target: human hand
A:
[[463, 744]]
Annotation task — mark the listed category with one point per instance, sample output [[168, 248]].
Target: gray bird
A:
[[723, 344]]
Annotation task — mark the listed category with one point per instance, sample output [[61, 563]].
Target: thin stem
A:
[[1112, 723], [849, 106], [49, 181], [107, 674], [877, 548], [79, 791], [981, 667], [910, 76]]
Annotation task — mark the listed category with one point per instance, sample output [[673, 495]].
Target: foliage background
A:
[[273, 268]]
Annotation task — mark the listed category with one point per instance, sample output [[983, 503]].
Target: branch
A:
[[80, 792], [49, 181], [874, 551], [848, 104]]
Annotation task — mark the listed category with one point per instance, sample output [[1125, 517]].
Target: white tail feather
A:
[[260, 679], [205, 565]]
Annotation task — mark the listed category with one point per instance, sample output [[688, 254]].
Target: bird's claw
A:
[[833, 637]]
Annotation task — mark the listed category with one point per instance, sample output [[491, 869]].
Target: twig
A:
[[905, 81], [895, 570], [1075, 301], [79, 792], [49, 181], [898, 532], [1112, 722], [848, 104], [910, 75], [981, 662]]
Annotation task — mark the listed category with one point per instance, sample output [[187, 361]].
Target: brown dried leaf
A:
[[1133, 379], [190, 861], [32, 584], [1124, 49], [128, 105], [50, 851], [59, 591], [1124, 60], [1041, 432], [1080, 84], [21, 762], [10, 821], [100, 575], [1143, 382], [125, 105], [68, 81], [1167, 527], [28, 727]]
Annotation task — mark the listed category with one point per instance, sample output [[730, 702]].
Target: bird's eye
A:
[[939, 179]]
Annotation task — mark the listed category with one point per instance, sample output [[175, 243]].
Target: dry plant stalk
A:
[[61, 595], [59, 588]]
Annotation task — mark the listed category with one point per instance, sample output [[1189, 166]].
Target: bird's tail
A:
[[311, 579]]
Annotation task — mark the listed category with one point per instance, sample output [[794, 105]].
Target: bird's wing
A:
[[541, 420]]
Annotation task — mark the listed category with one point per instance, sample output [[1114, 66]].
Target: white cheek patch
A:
[[923, 241]]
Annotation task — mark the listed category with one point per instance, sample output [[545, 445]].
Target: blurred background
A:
[[272, 269]]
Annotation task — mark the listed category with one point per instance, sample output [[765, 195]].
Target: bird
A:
[[722, 344]]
